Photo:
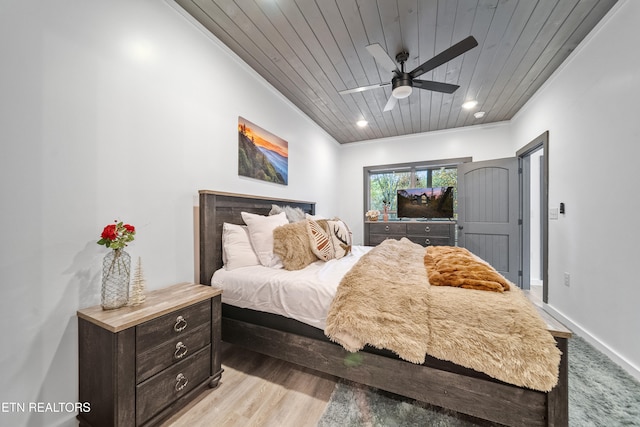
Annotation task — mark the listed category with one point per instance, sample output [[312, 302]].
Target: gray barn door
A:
[[488, 213]]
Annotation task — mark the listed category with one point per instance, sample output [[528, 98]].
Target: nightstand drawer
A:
[[429, 229], [158, 358], [169, 385], [173, 325]]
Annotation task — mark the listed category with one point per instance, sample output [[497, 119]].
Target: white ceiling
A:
[[310, 50]]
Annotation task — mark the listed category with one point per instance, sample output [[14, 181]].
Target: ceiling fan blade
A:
[[391, 103], [445, 56], [382, 57], [363, 88], [435, 86]]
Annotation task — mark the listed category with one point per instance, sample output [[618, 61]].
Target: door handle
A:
[[460, 227]]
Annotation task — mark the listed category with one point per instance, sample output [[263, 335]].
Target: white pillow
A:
[[261, 236], [236, 247]]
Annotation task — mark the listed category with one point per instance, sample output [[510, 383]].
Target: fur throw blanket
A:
[[386, 301], [453, 266]]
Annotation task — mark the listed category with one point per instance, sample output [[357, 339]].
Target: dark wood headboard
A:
[[217, 208]]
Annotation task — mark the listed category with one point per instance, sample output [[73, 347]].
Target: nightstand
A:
[[138, 365]]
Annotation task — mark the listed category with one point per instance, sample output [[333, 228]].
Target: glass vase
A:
[[116, 269]]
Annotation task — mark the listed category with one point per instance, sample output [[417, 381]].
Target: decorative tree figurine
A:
[[138, 285]]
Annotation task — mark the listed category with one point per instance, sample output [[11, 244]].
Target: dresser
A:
[[138, 365], [425, 233]]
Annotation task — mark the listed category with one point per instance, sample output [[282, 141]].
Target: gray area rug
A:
[[600, 394]]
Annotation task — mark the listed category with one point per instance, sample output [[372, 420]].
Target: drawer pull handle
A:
[[181, 382], [180, 325], [386, 228], [427, 241], [427, 229], [181, 351]]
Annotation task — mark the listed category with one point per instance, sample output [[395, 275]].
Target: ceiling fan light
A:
[[402, 91]]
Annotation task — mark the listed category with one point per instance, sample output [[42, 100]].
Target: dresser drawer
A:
[[376, 239], [389, 228], [429, 229], [169, 385], [430, 240], [173, 325], [156, 359]]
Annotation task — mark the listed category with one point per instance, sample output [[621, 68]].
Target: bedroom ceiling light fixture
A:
[[469, 104], [402, 92], [403, 82], [479, 114], [362, 123]]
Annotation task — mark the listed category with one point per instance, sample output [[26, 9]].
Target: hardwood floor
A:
[[257, 390]]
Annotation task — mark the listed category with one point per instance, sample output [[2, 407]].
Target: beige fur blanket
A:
[[386, 301]]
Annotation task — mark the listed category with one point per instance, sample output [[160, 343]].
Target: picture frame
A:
[[261, 154]]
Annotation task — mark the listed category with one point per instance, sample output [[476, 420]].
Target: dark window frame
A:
[[411, 167]]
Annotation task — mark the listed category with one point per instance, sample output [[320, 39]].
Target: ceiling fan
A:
[[402, 82]]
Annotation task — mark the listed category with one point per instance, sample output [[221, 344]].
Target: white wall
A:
[[479, 142], [109, 110], [590, 110]]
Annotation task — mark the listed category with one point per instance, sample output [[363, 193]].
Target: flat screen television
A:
[[425, 203]]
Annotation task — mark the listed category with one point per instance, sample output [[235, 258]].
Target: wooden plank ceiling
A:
[[309, 50]]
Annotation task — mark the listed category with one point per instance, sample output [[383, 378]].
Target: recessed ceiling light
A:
[[362, 123], [478, 114], [469, 104]]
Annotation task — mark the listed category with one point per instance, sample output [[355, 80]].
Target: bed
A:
[[435, 381]]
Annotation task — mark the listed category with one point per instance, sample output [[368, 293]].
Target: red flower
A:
[[118, 235], [110, 232]]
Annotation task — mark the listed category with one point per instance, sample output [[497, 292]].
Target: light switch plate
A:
[[553, 213]]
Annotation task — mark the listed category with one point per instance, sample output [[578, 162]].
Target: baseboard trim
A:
[[587, 336]]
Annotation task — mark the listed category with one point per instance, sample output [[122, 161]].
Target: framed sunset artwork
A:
[[261, 154]]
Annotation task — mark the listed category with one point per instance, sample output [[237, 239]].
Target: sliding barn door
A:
[[488, 213]]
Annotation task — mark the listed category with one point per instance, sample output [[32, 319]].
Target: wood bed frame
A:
[[442, 384]]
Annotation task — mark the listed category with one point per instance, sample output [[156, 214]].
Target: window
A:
[[382, 182]]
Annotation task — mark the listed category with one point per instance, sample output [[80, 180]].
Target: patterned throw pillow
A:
[[330, 239]]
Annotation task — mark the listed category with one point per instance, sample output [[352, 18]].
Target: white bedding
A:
[[304, 295]]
